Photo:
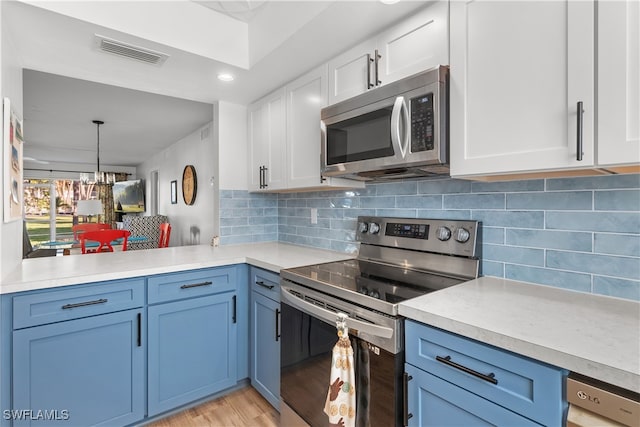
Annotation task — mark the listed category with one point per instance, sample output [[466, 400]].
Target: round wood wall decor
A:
[[189, 185]]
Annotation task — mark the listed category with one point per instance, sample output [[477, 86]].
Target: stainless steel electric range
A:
[[399, 259]]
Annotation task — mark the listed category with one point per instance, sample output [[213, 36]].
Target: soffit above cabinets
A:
[[278, 42]]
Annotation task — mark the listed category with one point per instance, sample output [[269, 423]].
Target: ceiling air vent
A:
[[126, 50]]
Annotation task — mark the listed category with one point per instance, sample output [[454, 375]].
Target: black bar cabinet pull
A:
[[264, 285], [579, 132], [405, 400], [233, 316], [277, 324], [487, 377], [139, 329], [261, 176], [196, 285], [264, 172], [377, 61], [83, 304], [369, 61]]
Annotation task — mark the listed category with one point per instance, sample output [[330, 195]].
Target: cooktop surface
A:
[[358, 280]]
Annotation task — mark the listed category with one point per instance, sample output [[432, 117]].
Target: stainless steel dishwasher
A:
[[593, 403]]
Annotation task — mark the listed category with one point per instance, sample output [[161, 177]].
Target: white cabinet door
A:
[[267, 143], [257, 144], [518, 70], [305, 98], [418, 43], [276, 170], [618, 82], [352, 72]]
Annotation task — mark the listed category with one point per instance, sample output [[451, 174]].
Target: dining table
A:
[[66, 245]]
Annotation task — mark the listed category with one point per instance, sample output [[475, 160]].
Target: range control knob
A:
[[374, 294], [462, 235], [443, 233], [363, 227], [364, 290], [374, 228]]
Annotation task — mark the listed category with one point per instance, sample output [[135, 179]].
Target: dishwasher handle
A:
[[330, 316]]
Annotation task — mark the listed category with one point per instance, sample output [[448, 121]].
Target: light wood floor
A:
[[244, 407]]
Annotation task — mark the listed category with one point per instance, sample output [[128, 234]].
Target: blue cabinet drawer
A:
[[265, 283], [523, 385], [74, 302], [434, 402], [193, 283]]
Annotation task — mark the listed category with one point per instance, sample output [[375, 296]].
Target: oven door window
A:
[[306, 350], [364, 137]]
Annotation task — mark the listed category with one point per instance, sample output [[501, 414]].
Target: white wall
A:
[[197, 149], [197, 30], [11, 87], [232, 150]]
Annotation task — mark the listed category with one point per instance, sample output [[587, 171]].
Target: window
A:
[[50, 207]]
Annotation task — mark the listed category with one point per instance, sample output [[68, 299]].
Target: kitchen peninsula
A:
[[125, 337], [540, 322]]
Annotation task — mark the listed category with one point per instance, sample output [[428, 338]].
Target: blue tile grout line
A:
[[573, 229]]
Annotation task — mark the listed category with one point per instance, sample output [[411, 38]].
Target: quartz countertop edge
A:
[[52, 272], [593, 335]]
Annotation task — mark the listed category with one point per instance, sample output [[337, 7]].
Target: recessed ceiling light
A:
[[389, 1], [225, 77]]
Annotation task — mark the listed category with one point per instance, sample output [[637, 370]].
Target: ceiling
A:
[[283, 39], [243, 10], [59, 112]]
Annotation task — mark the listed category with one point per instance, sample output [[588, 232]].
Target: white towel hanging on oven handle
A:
[[340, 405]]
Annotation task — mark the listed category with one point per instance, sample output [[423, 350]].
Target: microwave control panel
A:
[[422, 123]]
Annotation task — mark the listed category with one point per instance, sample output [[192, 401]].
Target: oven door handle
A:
[[330, 317]]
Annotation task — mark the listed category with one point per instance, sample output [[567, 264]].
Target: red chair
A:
[[165, 233], [104, 237], [78, 229]]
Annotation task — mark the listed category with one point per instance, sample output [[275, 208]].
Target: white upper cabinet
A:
[[267, 142], [352, 72], [305, 97], [416, 44], [257, 144], [618, 82], [284, 137], [518, 71]]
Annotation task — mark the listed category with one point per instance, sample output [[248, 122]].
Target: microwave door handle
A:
[[330, 317], [398, 141]]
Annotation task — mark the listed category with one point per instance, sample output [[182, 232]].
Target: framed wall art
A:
[[174, 192], [12, 139]]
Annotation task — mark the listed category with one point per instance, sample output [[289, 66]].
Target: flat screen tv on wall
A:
[[128, 196]]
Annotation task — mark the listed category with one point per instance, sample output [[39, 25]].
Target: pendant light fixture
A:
[[99, 177]]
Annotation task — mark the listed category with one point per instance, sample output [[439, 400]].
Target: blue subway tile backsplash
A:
[[578, 233]]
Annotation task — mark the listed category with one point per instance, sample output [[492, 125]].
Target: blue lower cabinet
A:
[[528, 387], [192, 350], [265, 345], [80, 372], [435, 402]]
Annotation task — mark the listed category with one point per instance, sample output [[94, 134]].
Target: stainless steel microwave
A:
[[395, 131]]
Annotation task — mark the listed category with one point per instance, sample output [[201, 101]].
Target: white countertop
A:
[[593, 335], [49, 272]]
